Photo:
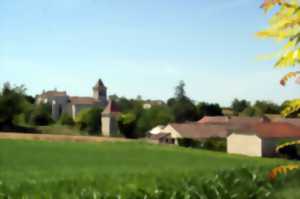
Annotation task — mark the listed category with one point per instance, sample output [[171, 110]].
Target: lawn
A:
[[113, 164]]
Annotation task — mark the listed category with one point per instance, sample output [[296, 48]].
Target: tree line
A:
[[19, 109]]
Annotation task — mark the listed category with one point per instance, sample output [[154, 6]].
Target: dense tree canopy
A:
[[182, 107], [207, 109], [90, 120], [157, 115], [12, 103], [239, 106]]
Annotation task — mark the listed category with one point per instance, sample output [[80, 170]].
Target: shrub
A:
[[127, 123], [66, 119], [215, 144], [41, 115], [89, 120]]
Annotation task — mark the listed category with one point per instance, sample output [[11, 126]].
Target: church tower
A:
[[100, 93]]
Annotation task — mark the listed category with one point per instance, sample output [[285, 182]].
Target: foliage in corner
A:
[[284, 26]]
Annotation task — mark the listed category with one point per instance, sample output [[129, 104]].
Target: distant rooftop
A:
[[53, 93]]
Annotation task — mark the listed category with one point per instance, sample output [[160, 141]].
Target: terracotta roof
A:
[[201, 131], [293, 121], [273, 130], [111, 107], [83, 100], [233, 121], [54, 93]]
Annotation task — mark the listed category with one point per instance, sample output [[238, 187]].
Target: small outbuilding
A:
[[261, 140], [109, 119]]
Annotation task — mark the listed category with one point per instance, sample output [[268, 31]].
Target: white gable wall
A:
[[244, 144], [172, 131]]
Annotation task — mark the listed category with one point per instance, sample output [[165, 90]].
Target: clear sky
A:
[[140, 47]]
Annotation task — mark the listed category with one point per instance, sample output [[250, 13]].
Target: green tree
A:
[[182, 106], [267, 107], [149, 118], [41, 115], [66, 119], [207, 109], [251, 112], [127, 124], [180, 91], [239, 106], [12, 104], [89, 120]]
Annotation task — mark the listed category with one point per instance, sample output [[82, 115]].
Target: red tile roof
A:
[[200, 131], [293, 121], [232, 120], [273, 130], [222, 126], [54, 93], [83, 100]]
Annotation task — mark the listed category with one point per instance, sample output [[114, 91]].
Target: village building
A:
[[250, 136], [193, 131], [109, 119], [261, 140], [60, 102]]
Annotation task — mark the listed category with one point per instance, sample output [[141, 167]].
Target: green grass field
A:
[[113, 164]]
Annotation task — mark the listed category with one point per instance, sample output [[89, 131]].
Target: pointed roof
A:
[[111, 107], [99, 84]]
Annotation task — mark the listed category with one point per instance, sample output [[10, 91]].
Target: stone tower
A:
[[109, 119], [100, 93]]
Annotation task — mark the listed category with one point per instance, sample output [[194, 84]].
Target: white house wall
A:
[[172, 131], [243, 144]]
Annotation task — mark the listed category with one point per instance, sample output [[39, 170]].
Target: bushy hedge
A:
[[66, 119], [89, 120], [41, 115], [215, 144]]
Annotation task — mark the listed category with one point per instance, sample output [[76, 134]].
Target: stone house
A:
[[61, 102]]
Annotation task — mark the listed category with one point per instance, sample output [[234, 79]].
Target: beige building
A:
[[109, 119], [261, 140], [61, 103]]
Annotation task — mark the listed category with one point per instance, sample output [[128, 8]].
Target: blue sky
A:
[[140, 47]]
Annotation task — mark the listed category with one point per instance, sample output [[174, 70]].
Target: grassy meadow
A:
[[37, 166]]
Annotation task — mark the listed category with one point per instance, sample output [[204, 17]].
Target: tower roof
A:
[[99, 84]]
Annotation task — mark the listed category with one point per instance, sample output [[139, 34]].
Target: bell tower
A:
[[100, 92]]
